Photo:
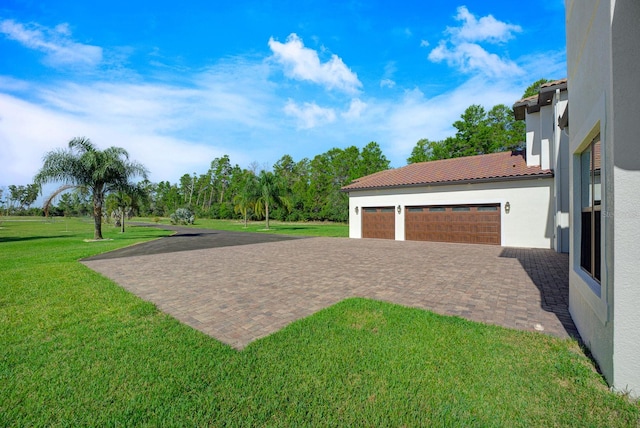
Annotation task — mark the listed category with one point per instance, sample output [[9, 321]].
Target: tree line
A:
[[19, 199], [99, 182], [306, 189]]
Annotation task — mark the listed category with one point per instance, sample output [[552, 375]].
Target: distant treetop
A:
[[534, 88]]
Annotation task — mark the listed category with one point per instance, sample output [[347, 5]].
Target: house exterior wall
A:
[[533, 141], [626, 182], [545, 133], [560, 165], [548, 147], [528, 224], [602, 61]]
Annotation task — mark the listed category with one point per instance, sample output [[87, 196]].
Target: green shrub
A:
[[182, 216]]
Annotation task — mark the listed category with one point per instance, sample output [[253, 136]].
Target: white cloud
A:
[[387, 83], [390, 69], [8, 83], [171, 129], [303, 63], [549, 64], [63, 29], [24, 145], [486, 28], [424, 43], [463, 50], [414, 116], [228, 109], [356, 108], [471, 57], [59, 49], [175, 130], [309, 115], [179, 126]]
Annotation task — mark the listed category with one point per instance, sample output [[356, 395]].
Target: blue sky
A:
[[179, 84]]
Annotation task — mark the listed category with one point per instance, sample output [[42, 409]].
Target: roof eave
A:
[[548, 174], [533, 103]]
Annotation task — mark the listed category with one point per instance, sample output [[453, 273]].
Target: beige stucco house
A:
[[603, 39]]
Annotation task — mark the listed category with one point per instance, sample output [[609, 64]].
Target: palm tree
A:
[[83, 165], [271, 191], [117, 204], [125, 200], [245, 199]]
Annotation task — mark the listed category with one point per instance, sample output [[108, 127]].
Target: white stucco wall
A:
[[602, 60], [560, 164], [625, 174], [546, 137], [532, 122], [548, 147], [528, 224]]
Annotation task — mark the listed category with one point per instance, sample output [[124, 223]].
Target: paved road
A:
[[243, 287], [188, 239]]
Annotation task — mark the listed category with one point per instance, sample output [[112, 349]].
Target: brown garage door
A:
[[379, 223], [473, 224]]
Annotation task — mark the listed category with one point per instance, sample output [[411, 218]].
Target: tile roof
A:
[[554, 83], [533, 103], [491, 167]]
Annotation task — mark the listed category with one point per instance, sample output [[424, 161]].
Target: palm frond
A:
[[49, 200]]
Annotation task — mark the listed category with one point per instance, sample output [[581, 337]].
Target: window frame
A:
[[591, 265]]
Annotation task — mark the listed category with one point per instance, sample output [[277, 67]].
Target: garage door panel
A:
[[478, 224], [379, 223]]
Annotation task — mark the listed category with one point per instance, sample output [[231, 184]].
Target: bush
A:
[[182, 216], [225, 210]]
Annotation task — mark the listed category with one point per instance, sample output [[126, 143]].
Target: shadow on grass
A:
[[284, 228], [29, 238]]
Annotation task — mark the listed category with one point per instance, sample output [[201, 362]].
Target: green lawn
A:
[[334, 230], [77, 350]]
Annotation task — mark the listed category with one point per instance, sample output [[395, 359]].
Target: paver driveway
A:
[[240, 293]]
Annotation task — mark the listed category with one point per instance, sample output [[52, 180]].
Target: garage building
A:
[[491, 199], [514, 199]]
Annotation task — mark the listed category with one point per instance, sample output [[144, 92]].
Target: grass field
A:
[[78, 350], [334, 230]]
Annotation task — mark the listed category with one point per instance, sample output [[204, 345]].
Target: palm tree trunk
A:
[[267, 213], [211, 197], [97, 216], [122, 220]]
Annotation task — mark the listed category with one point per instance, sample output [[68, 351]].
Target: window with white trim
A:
[[590, 196]]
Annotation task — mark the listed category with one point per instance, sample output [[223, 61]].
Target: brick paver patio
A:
[[238, 294]]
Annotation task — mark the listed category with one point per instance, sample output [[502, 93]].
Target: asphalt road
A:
[[187, 239]]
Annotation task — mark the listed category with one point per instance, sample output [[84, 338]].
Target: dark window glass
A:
[[590, 219]]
